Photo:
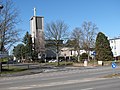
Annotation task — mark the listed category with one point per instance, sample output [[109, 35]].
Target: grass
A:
[[11, 69], [112, 75], [14, 69], [92, 62], [61, 63]]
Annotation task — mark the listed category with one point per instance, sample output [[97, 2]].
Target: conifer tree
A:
[[102, 48], [27, 40]]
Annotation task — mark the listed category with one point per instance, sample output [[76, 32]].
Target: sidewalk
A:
[[44, 69]]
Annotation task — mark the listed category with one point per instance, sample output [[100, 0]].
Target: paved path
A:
[[74, 79]]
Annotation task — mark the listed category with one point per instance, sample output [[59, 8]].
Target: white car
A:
[[53, 61]]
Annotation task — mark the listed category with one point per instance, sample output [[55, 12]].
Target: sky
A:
[[104, 13]]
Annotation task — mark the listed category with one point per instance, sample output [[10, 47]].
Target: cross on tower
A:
[[34, 11]]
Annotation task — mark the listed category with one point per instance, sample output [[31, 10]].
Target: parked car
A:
[[53, 61]]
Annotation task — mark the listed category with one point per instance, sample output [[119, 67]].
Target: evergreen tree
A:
[[27, 40], [102, 48], [24, 51], [18, 51]]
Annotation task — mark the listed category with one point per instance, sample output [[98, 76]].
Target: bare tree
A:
[[56, 31], [8, 21], [84, 37], [89, 33], [77, 37]]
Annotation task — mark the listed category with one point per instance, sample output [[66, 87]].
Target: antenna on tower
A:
[[34, 11]]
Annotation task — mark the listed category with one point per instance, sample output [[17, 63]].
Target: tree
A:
[[56, 31], [18, 51], [89, 33], [77, 37], [24, 51], [8, 20], [27, 40], [84, 37], [102, 48]]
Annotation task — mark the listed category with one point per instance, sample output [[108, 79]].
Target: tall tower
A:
[[37, 33]]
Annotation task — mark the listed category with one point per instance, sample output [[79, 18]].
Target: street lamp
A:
[[1, 6]]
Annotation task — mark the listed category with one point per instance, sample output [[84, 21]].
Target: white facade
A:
[[115, 46], [37, 33], [66, 51], [33, 28]]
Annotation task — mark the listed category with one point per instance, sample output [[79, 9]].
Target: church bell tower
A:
[[37, 33]]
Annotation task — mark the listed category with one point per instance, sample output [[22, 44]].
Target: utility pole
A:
[[1, 7]]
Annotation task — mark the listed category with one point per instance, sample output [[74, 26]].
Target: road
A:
[[79, 79]]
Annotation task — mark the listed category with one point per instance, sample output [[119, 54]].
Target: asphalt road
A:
[[79, 79]]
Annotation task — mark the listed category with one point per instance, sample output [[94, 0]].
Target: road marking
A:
[[87, 89], [20, 88]]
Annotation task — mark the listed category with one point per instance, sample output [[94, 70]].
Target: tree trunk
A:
[[78, 58], [57, 57], [88, 56], [0, 67]]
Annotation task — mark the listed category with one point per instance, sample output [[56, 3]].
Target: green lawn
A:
[[11, 69], [61, 63]]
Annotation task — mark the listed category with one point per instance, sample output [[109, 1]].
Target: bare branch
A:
[[57, 32], [8, 21]]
